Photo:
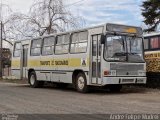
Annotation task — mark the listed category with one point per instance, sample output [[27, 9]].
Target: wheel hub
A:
[[32, 80], [81, 83]]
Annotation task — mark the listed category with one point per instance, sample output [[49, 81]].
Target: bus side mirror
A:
[[102, 39]]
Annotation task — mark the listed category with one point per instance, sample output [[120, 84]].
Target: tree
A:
[[151, 14], [50, 16], [5, 12], [44, 17], [18, 28]]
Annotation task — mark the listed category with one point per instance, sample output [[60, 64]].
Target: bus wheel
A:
[[81, 83], [33, 81], [115, 88]]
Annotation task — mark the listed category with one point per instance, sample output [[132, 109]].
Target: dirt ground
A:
[[21, 99]]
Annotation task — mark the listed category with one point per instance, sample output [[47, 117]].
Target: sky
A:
[[94, 12]]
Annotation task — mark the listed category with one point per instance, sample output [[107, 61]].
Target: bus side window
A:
[[146, 44], [36, 47], [48, 46], [79, 42], [154, 43], [62, 44], [17, 49]]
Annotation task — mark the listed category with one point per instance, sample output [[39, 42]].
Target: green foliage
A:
[[151, 14]]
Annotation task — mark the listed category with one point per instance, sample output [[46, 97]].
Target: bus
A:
[[105, 55], [152, 57]]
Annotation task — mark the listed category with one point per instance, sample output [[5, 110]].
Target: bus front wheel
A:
[[33, 80], [81, 83]]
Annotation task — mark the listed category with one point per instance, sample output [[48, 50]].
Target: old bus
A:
[[109, 54], [152, 57]]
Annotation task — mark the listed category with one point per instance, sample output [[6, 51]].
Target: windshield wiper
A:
[[124, 53], [133, 53], [120, 54]]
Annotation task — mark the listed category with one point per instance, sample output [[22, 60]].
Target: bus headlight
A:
[[141, 73]]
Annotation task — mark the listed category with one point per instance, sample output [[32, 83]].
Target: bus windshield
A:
[[123, 48]]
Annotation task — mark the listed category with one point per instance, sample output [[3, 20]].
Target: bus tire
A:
[[115, 88], [81, 83], [33, 81]]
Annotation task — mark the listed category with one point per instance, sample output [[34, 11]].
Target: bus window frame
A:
[[78, 42], [45, 46], [31, 54], [149, 43], [16, 49], [56, 39]]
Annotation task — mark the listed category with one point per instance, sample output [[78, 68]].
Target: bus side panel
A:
[[47, 67], [79, 59], [60, 74], [79, 62], [16, 63], [15, 67], [34, 63]]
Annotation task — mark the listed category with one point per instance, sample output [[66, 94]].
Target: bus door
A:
[[24, 60], [96, 59]]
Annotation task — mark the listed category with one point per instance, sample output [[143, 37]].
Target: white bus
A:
[[109, 54]]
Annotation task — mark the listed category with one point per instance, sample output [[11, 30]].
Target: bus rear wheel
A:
[[81, 83], [33, 81]]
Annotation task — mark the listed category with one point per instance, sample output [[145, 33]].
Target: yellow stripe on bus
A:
[[15, 63], [74, 62], [34, 63], [71, 62], [152, 55]]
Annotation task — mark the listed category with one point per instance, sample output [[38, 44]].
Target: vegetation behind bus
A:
[[6, 57]]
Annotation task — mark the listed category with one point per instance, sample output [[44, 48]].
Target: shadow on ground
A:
[[94, 90]]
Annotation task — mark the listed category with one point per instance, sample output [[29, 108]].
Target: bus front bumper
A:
[[124, 80]]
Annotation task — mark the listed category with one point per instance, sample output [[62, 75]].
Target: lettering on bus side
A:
[[44, 62], [152, 55], [54, 62], [61, 62]]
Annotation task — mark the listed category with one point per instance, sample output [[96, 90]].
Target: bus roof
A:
[[109, 27], [151, 34]]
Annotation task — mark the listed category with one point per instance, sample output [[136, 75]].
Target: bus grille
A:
[[126, 69]]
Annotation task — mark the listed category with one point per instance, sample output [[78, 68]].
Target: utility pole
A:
[[1, 37]]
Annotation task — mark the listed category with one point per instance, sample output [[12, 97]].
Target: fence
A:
[[6, 71]]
